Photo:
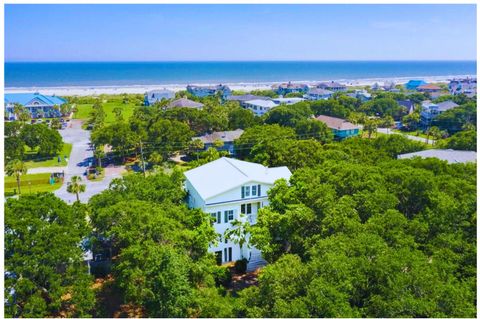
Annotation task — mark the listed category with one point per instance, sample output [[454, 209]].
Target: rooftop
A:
[[451, 156], [336, 123], [320, 92], [246, 97], [184, 102], [26, 98], [224, 174], [429, 87], [446, 105], [262, 103], [225, 136]]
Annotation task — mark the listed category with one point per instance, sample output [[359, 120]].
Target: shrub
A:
[[241, 266]]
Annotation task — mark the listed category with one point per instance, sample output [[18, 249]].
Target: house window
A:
[[254, 190], [219, 217], [258, 206], [246, 208], [230, 254], [247, 191], [228, 215], [243, 191], [259, 191]]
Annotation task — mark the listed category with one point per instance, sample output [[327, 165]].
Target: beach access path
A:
[[411, 137], [80, 158]]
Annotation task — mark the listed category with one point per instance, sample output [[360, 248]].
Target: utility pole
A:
[[143, 161]]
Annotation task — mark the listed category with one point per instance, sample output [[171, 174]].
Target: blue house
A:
[[340, 128], [203, 91], [290, 87], [37, 104], [152, 97], [414, 84]]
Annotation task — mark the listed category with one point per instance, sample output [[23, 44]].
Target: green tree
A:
[[16, 168], [76, 187], [44, 260], [370, 126]]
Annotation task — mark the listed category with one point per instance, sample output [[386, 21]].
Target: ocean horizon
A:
[[92, 74]]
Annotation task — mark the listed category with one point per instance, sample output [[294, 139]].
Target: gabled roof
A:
[[225, 136], [336, 123], [447, 105], [224, 174], [452, 156], [320, 92], [262, 103], [184, 102], [26, 98], [291, 85], [332, 84]]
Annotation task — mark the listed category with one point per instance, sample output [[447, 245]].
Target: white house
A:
[[259, 107], [287, 100], [154, 96], [228, 190]]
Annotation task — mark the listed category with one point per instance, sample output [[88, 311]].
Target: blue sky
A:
[[239, 32]]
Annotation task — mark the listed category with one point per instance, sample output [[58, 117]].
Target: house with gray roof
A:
[[227, 137], [332, 86], [287, 100], [184, 102], [290, 87], [318, 94], [431, 110], [209, 90], [260, 107], [451, 156], [155, 96]]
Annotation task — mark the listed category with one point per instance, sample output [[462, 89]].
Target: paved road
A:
[[39, 170], [79, 160], [415, 138]]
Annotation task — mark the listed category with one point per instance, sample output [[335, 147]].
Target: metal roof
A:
[[451, 156]]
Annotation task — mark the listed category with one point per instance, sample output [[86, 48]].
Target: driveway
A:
[[80, 158], [411, 137]]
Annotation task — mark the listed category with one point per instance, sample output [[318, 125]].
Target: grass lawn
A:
[[83, 110], [30, 183], [413, 134], [52, 162]]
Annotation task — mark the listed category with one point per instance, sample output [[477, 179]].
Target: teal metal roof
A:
[[25, 98]]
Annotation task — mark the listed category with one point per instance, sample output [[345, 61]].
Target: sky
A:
[[239, 32]]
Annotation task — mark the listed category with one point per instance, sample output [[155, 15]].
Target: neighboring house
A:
[[152, 97], [362, 95], [390, 86], [463, 86], [227, 137], [228, 189], [341, 128], [290, 87], [318, 94], [208, 90], [429, 88], [246, 97], [260, 107], [451, 156], [332, 86], [184, 102], [414, 84], [37, 104], [287, 100], [431, 110], [376, 87], [409, 105]]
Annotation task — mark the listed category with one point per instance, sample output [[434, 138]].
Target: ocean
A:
[[92, 74]]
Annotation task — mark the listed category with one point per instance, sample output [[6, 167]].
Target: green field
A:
[[30, 183], [84, 110], [48, 162]]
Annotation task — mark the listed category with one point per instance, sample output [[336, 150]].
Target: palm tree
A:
[[76, 187], [99, 153], [17, 168], [21, 113], [197, 145], [238, 234], [370, 126]]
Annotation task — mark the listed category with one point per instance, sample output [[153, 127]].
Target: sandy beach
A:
[[247, 87]]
